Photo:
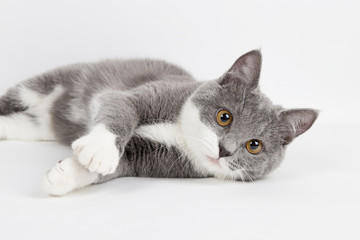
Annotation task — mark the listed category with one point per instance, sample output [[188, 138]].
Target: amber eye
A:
[[224, 118], [254, 146]]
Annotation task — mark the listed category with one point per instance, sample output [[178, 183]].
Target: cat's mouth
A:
[[214, 161]]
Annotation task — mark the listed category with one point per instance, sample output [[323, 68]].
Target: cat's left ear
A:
[[295, 122], [246, 69]]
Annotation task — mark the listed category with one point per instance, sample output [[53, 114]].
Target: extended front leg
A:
[[114, 121]]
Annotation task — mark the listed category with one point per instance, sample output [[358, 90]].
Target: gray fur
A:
[[137, 92], [10, 103]]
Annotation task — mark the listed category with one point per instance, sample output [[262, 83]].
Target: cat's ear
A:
[[295, 122], [245, 69]]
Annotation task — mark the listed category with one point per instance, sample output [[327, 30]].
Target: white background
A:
[[310, 51]]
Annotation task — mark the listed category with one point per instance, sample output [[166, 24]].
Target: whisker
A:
[[233, 176], [247, 165], [243, 170], [250, 178], [173, 164], [240, 174]]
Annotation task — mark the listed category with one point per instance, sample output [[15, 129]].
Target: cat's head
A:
[[233, 131]]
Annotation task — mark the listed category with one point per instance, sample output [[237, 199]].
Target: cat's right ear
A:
[[295, 122], [246, 69]]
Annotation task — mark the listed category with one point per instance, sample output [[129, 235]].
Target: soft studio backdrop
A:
[[310, 59]]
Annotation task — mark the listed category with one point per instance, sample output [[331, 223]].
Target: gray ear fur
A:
[[245, 69], [296, 122]]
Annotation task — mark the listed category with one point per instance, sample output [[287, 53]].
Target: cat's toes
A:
[[59, 180], [66, 176], [98, 154]]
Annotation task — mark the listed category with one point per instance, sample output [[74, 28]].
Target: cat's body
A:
[[74, 88], [151, 118]]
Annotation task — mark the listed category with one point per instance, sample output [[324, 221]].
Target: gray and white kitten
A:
[[150, 118]]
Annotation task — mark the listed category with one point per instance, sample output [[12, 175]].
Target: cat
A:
[[150, 118]]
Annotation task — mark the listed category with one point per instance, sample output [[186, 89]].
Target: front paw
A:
[[66, 176], [97, 151]]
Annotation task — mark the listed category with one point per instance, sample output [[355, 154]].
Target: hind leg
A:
[[66, 176], [22, 126], [25, 114]]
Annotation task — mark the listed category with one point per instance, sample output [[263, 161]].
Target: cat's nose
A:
[[223, 152]]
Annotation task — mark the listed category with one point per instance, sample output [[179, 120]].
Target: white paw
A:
[[97, 151], [66, 176]]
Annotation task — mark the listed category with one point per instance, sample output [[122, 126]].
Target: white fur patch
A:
[[165, 133], [21, 126], [66, 176], [200, 140], [29, 97], [97, 150]]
